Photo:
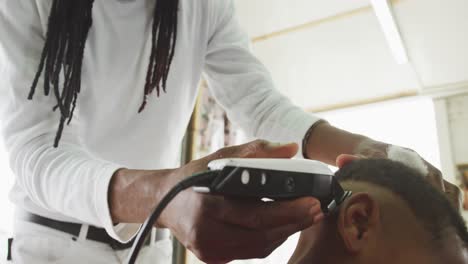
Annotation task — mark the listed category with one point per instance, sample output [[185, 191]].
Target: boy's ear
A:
[[358, 220]]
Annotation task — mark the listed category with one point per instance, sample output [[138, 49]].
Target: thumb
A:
[[257, 149], [278, 150], [266, 149]]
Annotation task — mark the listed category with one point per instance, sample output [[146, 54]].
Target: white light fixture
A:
[[385, 16]]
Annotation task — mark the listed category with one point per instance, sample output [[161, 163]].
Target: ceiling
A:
[[260, 17], [327, 53]]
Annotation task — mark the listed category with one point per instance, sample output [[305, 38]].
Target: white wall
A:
[[452, 129], [458, 119]]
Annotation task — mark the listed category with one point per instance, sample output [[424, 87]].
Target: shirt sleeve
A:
[[244, 87], [67, 180]]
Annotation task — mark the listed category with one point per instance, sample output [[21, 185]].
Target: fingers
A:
[[260, 244], [435, 178], [262, 215], [451, 191], [228, 242], [372, 149], [454, 194], [262, 149], [234, 229], [257, 149]]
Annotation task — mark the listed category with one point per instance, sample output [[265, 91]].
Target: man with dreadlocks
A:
[[126, 71]]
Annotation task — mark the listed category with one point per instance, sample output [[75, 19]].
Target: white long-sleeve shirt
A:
[[70, 183]]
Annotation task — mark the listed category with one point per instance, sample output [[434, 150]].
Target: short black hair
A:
[[428, 204]]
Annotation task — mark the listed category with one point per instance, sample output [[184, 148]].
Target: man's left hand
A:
[[374, 149]]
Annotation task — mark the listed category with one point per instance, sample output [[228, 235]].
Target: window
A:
[[408, 122]]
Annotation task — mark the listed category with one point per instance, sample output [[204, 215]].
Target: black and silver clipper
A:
[[275, 179]]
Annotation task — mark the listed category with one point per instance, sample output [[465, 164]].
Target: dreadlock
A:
[[68, 27]]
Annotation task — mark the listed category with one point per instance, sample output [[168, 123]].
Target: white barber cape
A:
[[70, 183]]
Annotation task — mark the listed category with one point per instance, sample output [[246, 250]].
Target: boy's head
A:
[[393, 216]]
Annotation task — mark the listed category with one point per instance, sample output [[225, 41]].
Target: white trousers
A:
[[37, 244]]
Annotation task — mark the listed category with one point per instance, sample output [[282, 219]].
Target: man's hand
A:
[[327, 144], [374, 149], [220, 229]]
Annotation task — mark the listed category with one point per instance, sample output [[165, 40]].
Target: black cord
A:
[[151, 220]]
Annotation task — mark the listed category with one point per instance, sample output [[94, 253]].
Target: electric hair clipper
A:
[[275, 179]]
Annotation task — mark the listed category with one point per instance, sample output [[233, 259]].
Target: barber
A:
[[95, 98]]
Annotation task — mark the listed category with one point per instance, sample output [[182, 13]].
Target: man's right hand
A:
[[219, 229]]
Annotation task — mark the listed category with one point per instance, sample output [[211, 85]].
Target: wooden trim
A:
[[446, 90], [315, 23], [310, 24], [180, 253], [355, 103], [444, 140], [436, 92]]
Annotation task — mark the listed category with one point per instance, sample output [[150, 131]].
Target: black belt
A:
[[94, 233]]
